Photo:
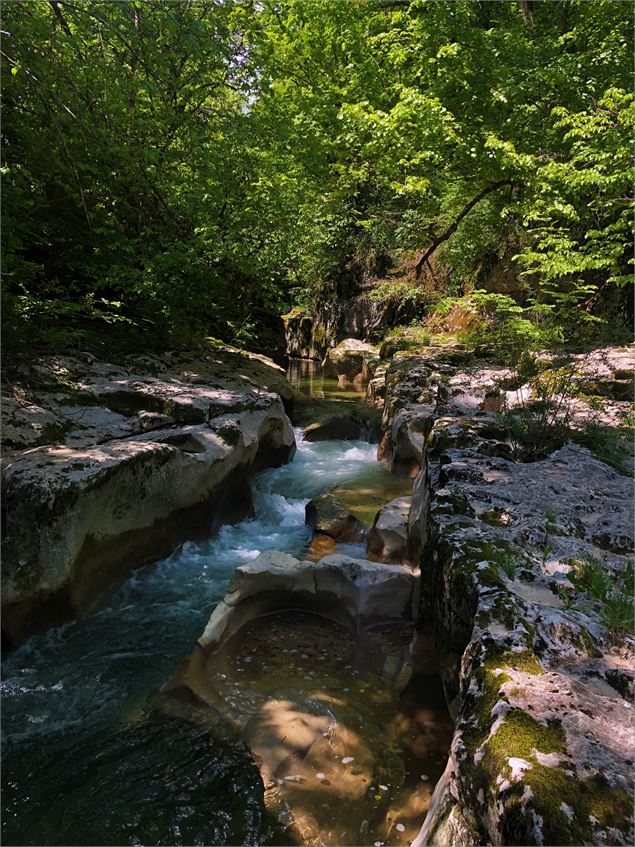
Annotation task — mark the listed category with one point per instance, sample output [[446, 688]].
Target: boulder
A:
[[327, 516], [356, 592], [351, 361], [107, 496], [388, 536], [344, 427]]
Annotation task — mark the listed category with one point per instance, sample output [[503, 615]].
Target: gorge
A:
[[334, 678]]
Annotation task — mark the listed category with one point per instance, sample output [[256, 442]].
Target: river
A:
[[82, 762]]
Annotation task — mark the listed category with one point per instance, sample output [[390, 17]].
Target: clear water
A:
[[82, 764]]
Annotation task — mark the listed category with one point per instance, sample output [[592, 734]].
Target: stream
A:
[[82, 761]]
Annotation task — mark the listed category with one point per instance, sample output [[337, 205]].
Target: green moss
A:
[[489, 695], [525, 662], [552, 787], [489, 577], [585, 643], [229, 433], [517, 736], [520, 734], [296, 312], [54, 433], [611, 806], [319, 334], [491, 676], [493, 517], [454, 504]]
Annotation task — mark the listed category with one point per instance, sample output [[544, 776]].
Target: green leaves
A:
[[189, 163]]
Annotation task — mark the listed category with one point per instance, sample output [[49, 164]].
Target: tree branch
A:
[[455, 223], [60, 17]]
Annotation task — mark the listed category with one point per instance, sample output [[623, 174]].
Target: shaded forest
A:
[[180, 170]]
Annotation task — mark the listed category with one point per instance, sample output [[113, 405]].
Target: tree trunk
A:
[[525, 8]]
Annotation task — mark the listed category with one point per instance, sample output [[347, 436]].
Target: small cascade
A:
[[81, 756]]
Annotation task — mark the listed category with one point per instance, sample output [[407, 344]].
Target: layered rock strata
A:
[[107, 468]]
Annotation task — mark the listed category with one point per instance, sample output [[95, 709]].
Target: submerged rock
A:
[[105, 496], [313, 691], [328, 516]]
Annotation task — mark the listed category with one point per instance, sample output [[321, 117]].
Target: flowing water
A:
[[82, 762]]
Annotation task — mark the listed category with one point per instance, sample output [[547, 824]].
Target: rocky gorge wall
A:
[[110, 466], [358, 316], [114, 464], [540, 687]]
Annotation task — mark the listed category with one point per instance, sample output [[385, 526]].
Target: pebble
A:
[[400, 827], [347, 760], [320, 775], [383, 788], [424, 777]]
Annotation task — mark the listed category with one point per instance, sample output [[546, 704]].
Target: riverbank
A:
[[527, 655], [118, 463]]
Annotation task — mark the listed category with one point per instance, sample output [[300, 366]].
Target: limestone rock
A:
[[104, 494], [388, 537], [355, 591], [325, 514], [351, 361], [418, 516], [345, 427], [376, 388], [526, 674], [280, 660], [299, 333]]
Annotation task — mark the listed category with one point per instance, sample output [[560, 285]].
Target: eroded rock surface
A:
[[130, 464], [327, 515], [313, 691], [388, 536], [538, 681], [351, 361]]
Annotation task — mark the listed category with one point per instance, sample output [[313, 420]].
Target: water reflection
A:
[[307, 376]]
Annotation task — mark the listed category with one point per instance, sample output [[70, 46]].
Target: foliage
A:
[[614, 593], [539, 421], [589, 575], [609, 444], [175, 170], [509, 564], [133, 188]]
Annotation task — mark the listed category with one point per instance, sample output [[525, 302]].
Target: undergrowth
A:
[[615, 593]]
